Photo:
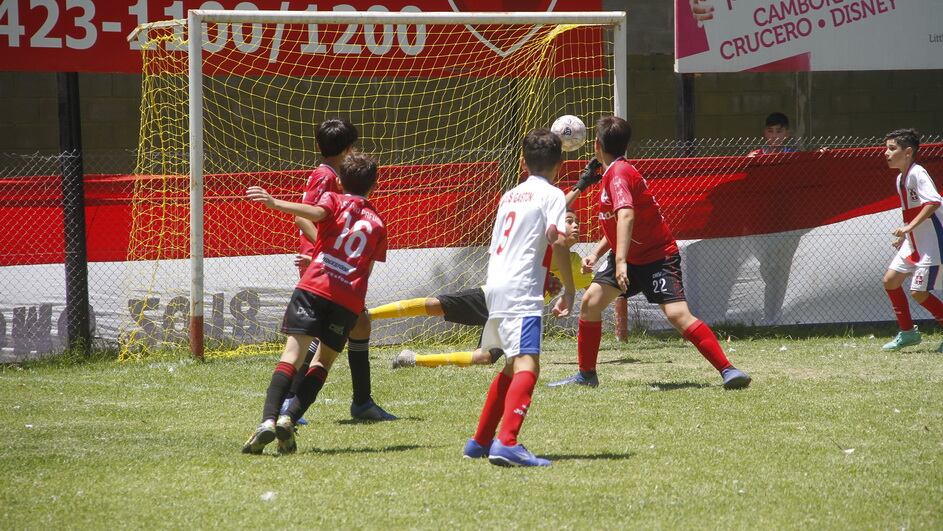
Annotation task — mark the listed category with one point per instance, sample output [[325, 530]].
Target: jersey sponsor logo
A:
[[518, 197], [607, 215], [335, 264]]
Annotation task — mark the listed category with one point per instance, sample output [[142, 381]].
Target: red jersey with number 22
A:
[[350, 239], [624, 187], [323, 179]]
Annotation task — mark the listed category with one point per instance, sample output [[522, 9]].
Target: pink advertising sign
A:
[[807, 35]]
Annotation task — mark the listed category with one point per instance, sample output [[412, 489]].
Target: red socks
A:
[[902, 309], [516, 405], [492, 410], [587, 344], [935, 307], [706, 342]]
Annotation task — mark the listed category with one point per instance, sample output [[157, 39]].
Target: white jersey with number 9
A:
[[520, 252]]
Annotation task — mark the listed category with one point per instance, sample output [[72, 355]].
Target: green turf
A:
[[834, 433]]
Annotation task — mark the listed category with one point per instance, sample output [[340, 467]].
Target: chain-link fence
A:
[[800, 234]]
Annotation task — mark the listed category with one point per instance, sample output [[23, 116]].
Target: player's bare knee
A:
[[892, 279], [325, 358], [919, 296], [679, 315], [362, 327]]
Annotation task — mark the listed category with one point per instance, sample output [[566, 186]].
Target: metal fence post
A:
[[73, 206]]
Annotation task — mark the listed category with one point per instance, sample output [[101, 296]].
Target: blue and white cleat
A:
[[473, 450], [284, 411], [904, 338], [734, 378], [588, 379], [515, 455], [370, 411]]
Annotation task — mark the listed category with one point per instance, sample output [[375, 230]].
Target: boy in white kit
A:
[[531, 219], [918, 240]]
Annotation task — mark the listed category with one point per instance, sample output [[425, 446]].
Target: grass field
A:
[[834, 433]]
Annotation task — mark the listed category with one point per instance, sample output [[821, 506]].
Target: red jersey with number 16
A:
[[323, 179], [350, 239], [624, 187]]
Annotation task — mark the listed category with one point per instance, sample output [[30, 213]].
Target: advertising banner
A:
[[807, 35], [91, 35]]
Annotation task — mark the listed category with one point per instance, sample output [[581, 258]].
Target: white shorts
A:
[[513, 335], [926, 277]]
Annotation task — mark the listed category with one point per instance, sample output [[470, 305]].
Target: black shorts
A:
[[467, 307], [312, 315], [660, 281]]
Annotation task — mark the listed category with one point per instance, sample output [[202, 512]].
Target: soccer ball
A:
[[571, 131]]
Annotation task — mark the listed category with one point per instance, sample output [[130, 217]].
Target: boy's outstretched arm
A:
[[307, 228], [588, 177], [259, 195]]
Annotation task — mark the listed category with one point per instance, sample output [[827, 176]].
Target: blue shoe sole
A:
[[740, 382]]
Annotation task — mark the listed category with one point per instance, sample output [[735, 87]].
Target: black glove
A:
[[590, 176]]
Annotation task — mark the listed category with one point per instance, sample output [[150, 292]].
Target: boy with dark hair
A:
[[530, 219], [329, 297], [644, 258], [335, 138], [776, 132], [918, 243]]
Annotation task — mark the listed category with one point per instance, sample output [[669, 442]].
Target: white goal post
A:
[[196, 25]]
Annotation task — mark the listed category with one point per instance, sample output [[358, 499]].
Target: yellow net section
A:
[[443, 108]]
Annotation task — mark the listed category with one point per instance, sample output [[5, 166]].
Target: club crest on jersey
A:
[[913, 195]]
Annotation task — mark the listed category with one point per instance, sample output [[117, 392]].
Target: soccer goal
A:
[[232, 99]]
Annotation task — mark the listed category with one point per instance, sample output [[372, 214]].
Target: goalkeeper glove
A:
[[590, 175]]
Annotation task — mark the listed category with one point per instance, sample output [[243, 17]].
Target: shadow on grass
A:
[[385, 449], [674, 386], [588, 457], [357, 422], [621, 361]]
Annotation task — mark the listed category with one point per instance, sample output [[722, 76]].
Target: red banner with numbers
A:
[[91, 35]]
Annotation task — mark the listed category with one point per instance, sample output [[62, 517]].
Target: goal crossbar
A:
[[344, 17]]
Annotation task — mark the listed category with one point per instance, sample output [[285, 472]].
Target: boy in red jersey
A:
[[335, 139], [329, 297], [644, 258], [530, 219]]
